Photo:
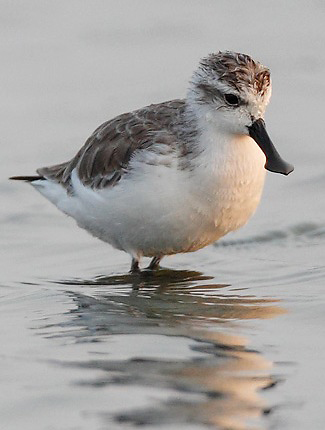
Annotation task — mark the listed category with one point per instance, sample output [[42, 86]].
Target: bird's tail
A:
[[27, 178], [53, 191]]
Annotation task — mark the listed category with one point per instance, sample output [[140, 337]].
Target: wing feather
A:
[[105, 156]]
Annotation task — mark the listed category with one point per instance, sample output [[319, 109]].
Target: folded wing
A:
[[105, 156]]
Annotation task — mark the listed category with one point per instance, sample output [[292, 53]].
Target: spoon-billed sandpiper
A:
[[175, 176]]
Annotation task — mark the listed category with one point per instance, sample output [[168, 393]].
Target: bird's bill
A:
[[274, 162]]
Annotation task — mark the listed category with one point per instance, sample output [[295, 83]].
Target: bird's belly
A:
[[233, 214], [165, 215], [166, 226]]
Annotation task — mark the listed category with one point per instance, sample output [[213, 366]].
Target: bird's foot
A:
[[135, 266], [154, 263]]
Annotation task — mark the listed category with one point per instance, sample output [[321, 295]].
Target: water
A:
[[231, 337]]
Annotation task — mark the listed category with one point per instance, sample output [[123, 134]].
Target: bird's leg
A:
[[154, 263], [135, 266]]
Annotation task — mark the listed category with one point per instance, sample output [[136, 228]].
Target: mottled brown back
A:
[[105, 156]]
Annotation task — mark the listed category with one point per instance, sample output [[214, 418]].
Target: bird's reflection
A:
[[225, 377]]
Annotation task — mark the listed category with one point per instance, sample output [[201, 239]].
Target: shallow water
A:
[[231, 337]]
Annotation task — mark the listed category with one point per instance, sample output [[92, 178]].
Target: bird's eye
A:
[[231, 99]]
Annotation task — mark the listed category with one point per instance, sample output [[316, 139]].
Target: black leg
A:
[[135, 266], [154, 263]]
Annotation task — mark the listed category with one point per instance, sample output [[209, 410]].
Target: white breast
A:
[[229, 180]]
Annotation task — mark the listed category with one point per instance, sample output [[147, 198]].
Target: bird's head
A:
[[233, 90]]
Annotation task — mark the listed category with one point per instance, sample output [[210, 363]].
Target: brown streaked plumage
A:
[[238, 70], [104, 158]]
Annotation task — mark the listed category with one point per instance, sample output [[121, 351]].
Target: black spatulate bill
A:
[[274, 162]]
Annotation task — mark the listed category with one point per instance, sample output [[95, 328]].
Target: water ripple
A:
[[296, 233]]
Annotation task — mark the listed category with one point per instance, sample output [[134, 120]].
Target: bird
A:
[[176, 176]]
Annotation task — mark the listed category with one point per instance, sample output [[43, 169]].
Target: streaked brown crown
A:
[[237, 70]]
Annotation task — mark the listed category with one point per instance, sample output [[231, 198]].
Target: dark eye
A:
[[231, 99]]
